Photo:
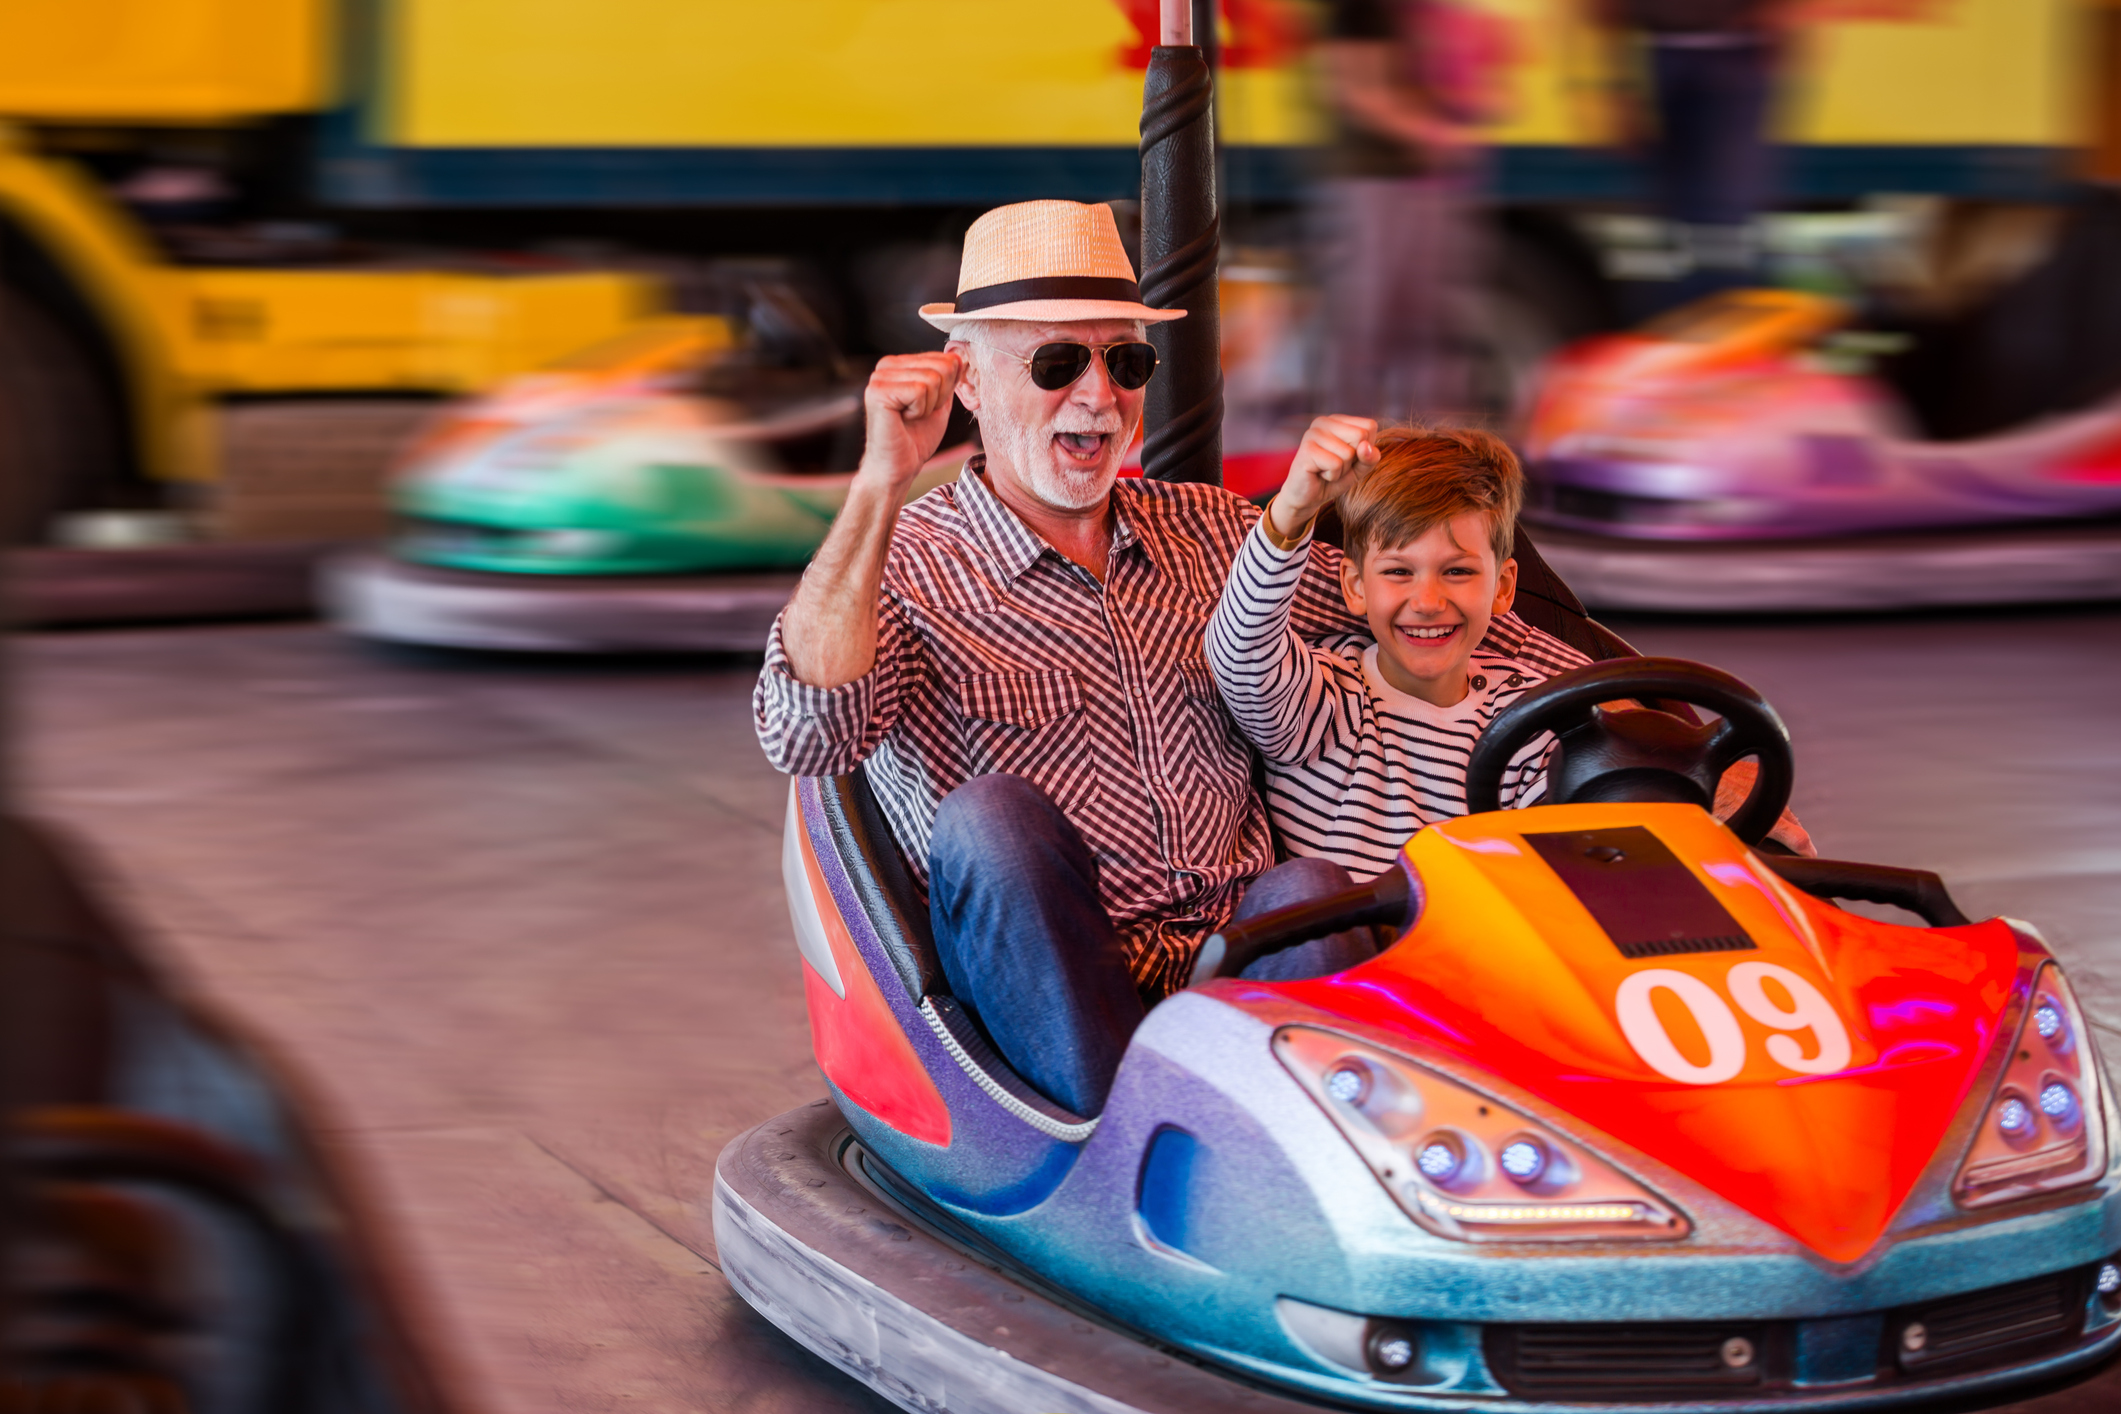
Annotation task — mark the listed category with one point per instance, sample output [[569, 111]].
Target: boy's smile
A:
[[1429, 602]]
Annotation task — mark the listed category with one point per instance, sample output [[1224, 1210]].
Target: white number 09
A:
[[1808, 1011]]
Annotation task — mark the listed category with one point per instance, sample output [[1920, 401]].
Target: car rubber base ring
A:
[[375, 596], [2070, 563], [849, 1273], [860, 1282]]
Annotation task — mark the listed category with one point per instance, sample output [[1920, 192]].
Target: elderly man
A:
[[1018, 660]]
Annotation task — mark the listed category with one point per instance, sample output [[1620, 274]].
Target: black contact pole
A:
[[1181, 240]]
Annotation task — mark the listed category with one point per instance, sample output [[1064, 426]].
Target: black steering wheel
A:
[[1642, 755]]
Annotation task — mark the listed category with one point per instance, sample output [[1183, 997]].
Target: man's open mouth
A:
[[1082, 446]]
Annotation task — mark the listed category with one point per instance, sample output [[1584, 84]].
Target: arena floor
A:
[[520, 921]]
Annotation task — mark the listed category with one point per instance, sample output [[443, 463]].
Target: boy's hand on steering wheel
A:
[[1336, 449]]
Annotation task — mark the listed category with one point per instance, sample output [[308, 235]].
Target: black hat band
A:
[[1049, 287]]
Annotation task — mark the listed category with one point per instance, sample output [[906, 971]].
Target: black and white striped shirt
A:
[[1354, 766]]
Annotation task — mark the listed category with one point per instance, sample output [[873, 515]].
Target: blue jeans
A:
[[1030, 952]]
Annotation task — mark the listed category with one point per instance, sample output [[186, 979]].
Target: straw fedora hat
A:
[[1045, 262]]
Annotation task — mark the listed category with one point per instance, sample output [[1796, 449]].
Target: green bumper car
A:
[[656, 493], [651, 484]]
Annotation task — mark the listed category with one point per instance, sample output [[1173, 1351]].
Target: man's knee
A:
[[1311, 878], [1294, 881], [988, 808], [1302, 881], [995, 797], [1004, 828]]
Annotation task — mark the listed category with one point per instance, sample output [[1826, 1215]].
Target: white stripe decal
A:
[[802, 908]]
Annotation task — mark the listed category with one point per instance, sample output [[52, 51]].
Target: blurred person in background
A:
[[1697, 109], [1694, 85], [1411, 84]]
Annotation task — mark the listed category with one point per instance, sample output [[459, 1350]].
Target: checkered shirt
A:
[[997, 653]]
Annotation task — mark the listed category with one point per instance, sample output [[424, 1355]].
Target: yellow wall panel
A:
[[251, 331], [1979, 72], [163, 60], [840, 73], [915, 72], [1274, 107], [798, 72], [1559, 64], [1988, 71]]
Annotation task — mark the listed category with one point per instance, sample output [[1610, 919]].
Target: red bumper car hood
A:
[[1639, 968]]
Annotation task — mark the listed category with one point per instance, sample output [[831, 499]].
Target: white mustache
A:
[[1108, 431]]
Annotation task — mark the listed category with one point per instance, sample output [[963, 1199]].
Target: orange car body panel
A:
[[1507, 968]]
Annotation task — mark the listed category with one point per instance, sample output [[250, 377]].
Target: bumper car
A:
[[179, 1236], [1733, 457], [656, 493], [1631, 1116]]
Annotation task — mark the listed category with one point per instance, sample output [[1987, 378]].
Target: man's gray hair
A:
[[972, 331]]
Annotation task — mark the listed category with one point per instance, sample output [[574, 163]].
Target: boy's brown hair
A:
[[1424, 477]]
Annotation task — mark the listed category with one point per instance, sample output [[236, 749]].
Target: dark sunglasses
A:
[[1054, 366]]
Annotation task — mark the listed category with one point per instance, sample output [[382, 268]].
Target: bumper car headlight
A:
[[2044, 1127], [1462, 1165]]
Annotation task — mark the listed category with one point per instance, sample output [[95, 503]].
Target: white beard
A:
[[1031, 454], [1069, 490]]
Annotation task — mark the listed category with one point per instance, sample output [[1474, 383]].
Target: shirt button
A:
[[1480, 684]]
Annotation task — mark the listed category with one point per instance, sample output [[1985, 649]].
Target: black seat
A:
[[893, 901], [1550, 606], [895, 908]]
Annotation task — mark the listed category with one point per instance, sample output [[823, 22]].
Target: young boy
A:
[[1367, 738]]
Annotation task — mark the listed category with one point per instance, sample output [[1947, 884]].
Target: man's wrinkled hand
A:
[[906, 407], [1336, 449]]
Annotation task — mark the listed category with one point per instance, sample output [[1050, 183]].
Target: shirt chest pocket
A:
[[1029, 725], [1200, 682]]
